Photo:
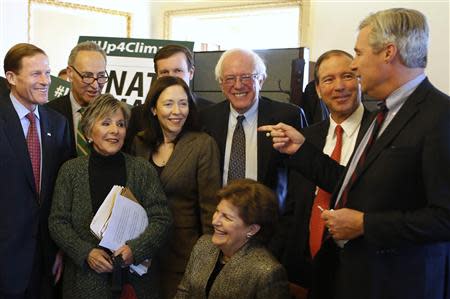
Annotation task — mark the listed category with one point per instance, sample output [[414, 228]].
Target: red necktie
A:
[[379, 119], [316, 224], [34, 149]]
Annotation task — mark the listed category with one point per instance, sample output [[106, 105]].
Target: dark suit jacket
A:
[[24, 222], [63, 106], [137, 122], [404, 192], [215, 122], [251, 273], [294, 229], [314, 108], [4, 88]]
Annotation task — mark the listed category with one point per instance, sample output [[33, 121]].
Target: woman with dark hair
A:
[[187, 161], [82, 185], [233, 262]]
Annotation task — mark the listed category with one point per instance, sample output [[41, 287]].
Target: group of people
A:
[[242, 200]]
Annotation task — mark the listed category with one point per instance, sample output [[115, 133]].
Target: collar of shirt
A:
[[21, 110], [397, 98], [351, 124], [250, 115], [75, 106]]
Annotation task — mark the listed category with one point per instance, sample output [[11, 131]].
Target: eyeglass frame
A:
[[83, 77], [244, 79]]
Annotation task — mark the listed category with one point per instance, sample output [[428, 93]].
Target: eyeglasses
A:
[[244, 79], [88, 78]]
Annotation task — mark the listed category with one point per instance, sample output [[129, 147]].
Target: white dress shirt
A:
[[22, 112], [250, 125]]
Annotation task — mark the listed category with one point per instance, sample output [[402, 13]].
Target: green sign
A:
[[58, 88], [130, 65], [132, 47]]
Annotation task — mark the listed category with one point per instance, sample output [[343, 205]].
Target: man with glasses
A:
[[233, 123], [86, 71]]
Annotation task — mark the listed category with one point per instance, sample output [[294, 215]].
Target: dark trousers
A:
[[39, 285]]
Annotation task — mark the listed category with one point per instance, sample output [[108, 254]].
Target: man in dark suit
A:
[[241, 74], [170, 60], [34, 142], [337, 86], [3, 86], [86, 70], [390, 223]]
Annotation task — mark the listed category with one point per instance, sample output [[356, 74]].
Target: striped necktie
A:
[[82, 144], [379, 119]]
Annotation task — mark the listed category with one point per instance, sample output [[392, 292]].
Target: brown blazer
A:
[[251, 273], [190, 180]]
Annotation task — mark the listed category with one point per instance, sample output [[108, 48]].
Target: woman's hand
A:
[[126, 253], [99, 261]]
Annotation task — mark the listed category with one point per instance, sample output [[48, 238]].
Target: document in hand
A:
[[120, 218]]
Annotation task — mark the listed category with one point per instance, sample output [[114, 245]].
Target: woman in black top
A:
[[82, 185]]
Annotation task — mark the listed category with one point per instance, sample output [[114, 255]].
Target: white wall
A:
[[158, 8], [334, 25], [14, 27], [331, 24]]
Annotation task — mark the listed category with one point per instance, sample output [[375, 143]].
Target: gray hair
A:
[[102, 106], [258, 64], [406, 28], [85, 46]]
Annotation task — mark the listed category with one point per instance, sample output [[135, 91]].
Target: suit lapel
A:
[[365, 124], [14, 133], [264, 144], [67, 107], [317, 134], [221, 127], [407, 111], [47, 146], [180, 154]]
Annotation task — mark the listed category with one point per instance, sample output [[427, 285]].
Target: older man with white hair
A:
[[233, 123]]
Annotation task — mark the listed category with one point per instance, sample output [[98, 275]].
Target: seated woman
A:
[[82, 185], [188, 164], [233, 263]]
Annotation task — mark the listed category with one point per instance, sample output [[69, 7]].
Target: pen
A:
[[320, 208]]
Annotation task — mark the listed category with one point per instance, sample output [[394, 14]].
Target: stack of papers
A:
[[120, 218]]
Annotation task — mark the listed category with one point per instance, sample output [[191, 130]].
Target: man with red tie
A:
[[388, 229], [34, 142], [337, 86]]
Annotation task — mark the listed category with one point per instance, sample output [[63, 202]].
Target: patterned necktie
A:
[[34, 150], [82, 144], [379, 119], [316, 224], [236, 167]]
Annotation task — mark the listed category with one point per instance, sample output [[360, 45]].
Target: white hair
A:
[[258, 64]]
